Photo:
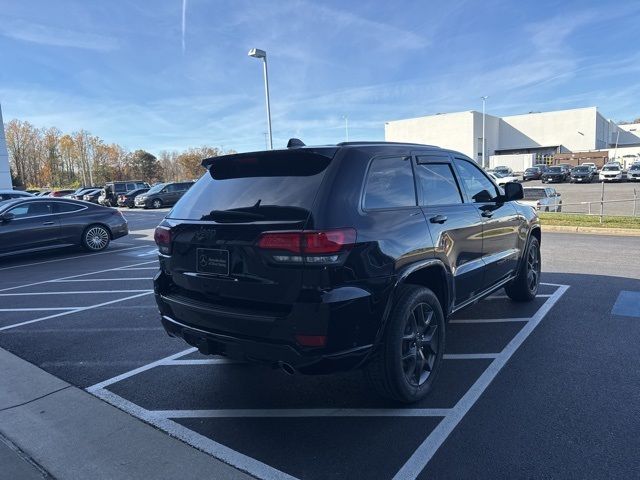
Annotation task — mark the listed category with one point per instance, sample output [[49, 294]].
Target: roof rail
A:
[[295, 143], [382, 142]]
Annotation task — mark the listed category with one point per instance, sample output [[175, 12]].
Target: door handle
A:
[[487, 213], [49, 223], [438, 219]]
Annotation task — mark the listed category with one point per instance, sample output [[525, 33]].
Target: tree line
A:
[[47, 157]]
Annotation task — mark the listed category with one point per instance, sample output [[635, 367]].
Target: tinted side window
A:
[[390, 184], [438, 184], [174, 187], [478, 186], [64, 207], [120, 187], [130, 186], [32, 209]]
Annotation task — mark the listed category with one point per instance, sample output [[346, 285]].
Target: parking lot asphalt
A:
[[547, 389]]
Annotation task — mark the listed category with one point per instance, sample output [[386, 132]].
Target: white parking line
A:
[[489, 320], [204, 361], [137, 268], [423, 454], [71, 258], [144, 368], [74, 276], [469, 356], [196, 440], [33, 309], [90, 330], [79, 292], [69, 312], [100, 279], [303, 412]]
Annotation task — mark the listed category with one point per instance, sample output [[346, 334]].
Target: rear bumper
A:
[[344, 315], [119, 230]]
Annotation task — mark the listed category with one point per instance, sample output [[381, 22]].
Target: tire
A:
[[96, 238], [409, 338], [559, 209], [157, 203], [524, 287]]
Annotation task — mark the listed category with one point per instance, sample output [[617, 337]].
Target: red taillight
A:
[[330, 241], [312, 340], [289, 241], [162, 237]]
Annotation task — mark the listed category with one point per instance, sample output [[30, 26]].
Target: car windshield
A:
[[581, 169], [498, 174], [610, 168], [634, 167], [531, 170], [555, 169], [534, 193], [156, 188]]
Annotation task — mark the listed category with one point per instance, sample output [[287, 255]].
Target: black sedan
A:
[[554, 175], [532, 173], [128, 199], [34, 224], [581, 175], [92, 195]]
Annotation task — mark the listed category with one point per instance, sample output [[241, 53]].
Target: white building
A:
[[5, 175], [539, 133]]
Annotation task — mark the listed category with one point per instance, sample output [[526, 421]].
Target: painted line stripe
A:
[[469, 356], [138, 268], [136, 371], [69, 312], [210, 361], [89, 330], [423, 454], [101, 279], [303, 412], [78, 256], [45, 309], [489, 320], [74, 276], [79, 292], [207, 445]]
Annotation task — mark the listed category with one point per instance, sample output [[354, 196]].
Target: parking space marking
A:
[[100, 279], [144, 368], [34, 309], [137, 268], [627, 304], [79, 292], [489, 320], [207, 445], [74, 276], [423, 454], [203, 361], [69, 312], [302, 413], [90, 330], [71, 258], [469, 356]]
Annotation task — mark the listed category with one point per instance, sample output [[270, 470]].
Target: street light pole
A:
[[257, 53], [484, 151]]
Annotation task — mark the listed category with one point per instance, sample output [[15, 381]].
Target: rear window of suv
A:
[[259, 187]]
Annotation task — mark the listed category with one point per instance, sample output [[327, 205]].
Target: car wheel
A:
[[157, 203], [96, 238], [559, 209], [408, 359], [524, 287]]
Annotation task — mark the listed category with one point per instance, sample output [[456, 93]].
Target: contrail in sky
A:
[[184, 24]]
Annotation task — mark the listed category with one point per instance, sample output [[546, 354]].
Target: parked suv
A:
[[321, 259], [163, 195], [111, 190]]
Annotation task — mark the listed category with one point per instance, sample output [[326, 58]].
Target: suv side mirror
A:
[[513, 191], [7, 217]]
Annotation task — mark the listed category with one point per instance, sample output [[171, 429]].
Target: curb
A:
[[623, 232], [73, 435]]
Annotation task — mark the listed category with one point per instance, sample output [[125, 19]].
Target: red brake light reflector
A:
[[331, 241], [289, 241], [162, 237], [312, 340]]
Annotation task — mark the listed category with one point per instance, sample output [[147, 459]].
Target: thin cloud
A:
[[184, 25], [56, 37]]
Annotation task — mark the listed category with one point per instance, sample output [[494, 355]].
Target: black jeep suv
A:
[[320, 259]]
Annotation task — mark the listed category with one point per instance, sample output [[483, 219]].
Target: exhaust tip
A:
[[286, 368]]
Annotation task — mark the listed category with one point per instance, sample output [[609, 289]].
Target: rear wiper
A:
[[232, 215]]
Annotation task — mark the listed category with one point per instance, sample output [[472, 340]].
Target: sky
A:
[[173, 74]]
